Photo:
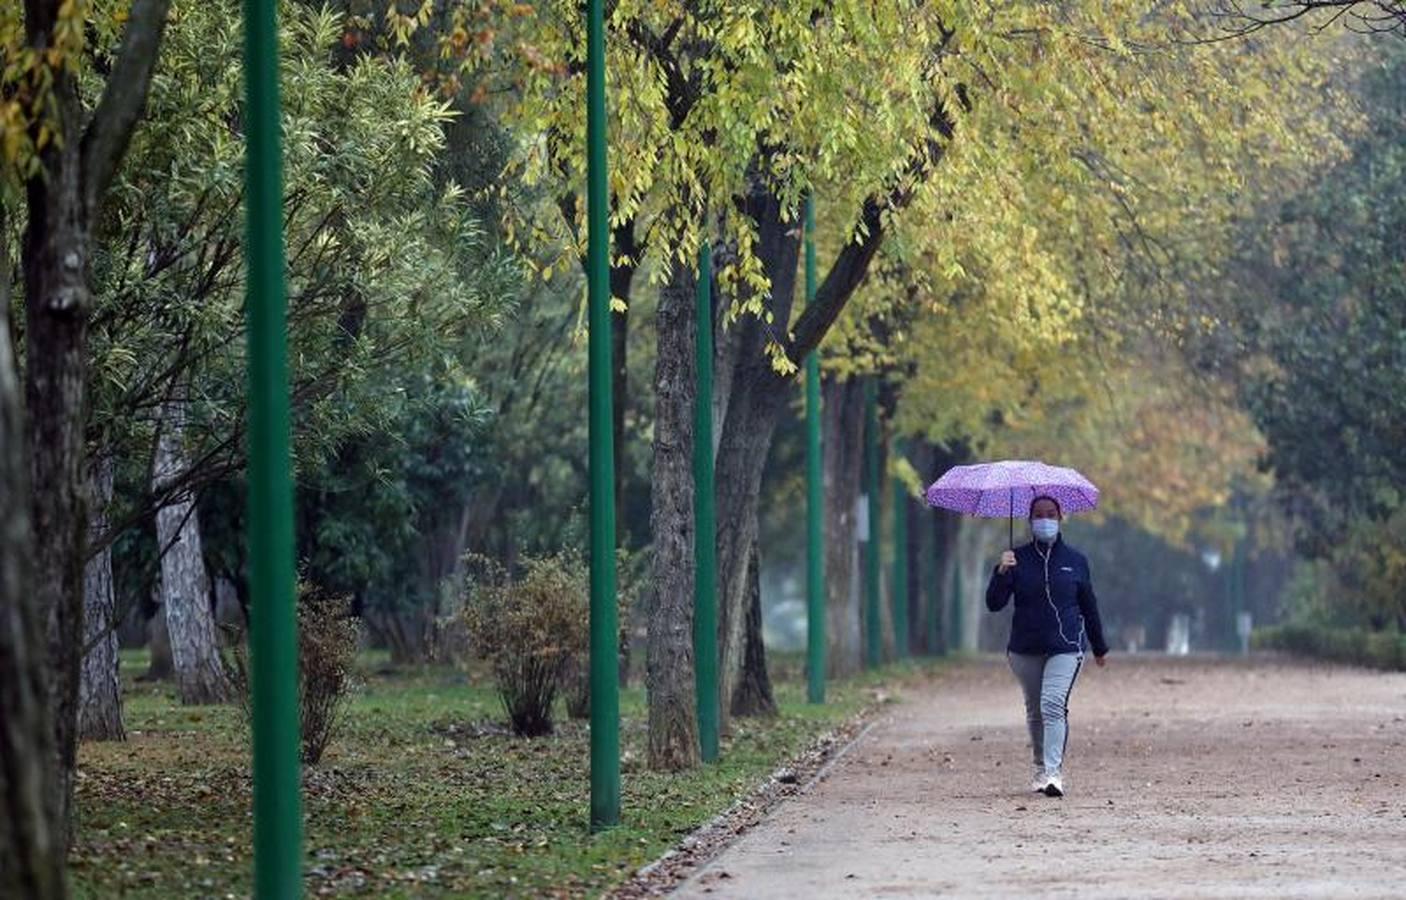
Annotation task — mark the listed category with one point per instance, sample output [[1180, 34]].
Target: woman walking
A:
[[1056, 618]]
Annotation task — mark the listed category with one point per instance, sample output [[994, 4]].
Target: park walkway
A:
[[1187, 778]]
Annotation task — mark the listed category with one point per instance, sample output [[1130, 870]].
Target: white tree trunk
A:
[[842, 404], [185, 586], [982, 542], [99, 688]]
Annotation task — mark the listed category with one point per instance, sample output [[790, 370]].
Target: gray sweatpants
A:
[[1047, 682]]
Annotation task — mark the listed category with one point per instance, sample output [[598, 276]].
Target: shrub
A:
[[529, 629], [327, 640], [576, 683], [328, 637], [1355, 646], [631, 578]]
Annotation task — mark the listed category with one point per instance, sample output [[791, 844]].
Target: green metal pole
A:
[[605, 672], [815, 497], [273, 640], [705, 528], [871, 550], [958, 624], [900, 564]]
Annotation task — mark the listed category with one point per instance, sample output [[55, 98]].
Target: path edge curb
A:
[[705, 843]]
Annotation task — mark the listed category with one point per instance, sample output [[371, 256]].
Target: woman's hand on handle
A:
[[1007, 562]]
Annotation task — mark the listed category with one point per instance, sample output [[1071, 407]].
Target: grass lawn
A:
[[423, 795]]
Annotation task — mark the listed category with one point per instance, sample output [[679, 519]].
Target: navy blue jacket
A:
[[1057, 621]]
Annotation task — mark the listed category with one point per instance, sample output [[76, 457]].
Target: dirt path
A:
[[1186, 778]]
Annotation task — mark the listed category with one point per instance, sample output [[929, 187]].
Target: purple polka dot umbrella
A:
[[1003, 490]]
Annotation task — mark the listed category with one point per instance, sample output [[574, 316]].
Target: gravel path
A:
[[1186, 778]]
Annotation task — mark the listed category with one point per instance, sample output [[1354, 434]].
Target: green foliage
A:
[[379, 508], [534, 374], [1369, 563], [393, 284], [389, 275], [1354, 646], [1322, 308], [1313, 596]]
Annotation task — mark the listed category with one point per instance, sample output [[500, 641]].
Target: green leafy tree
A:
[[1322, 309], [385, 521], [392, 280]]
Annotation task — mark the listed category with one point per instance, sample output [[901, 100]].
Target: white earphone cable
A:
[[1049, 596]]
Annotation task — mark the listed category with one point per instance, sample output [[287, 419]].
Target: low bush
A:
[[632, 572], [530, 628], [1357, 646], [576, 684], [328, 636]]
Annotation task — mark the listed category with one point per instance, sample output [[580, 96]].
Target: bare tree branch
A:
[[1367, 16]]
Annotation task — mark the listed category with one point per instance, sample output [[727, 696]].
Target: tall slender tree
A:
[[66, 159], [100, 687], [32, 837]]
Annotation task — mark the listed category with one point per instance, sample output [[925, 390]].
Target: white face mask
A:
[[1045, 530]]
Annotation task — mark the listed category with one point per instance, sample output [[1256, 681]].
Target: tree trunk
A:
[[887, 632], [753, 695], [441, 553], [741, 459], [63, 200], [185, 586], [927, 556], [231, 623], [724, 345], [756, 396], [405, 633], [944, 543], [980, 542], [622, 275], [32, 835], [100, 689], [843, 442], [57, 256], [915, 520], [673, 724], [917, 608], [756, 392], [944, 546], [159, 667], [131, 631]]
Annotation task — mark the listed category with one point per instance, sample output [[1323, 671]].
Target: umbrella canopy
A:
[[1001, 490]]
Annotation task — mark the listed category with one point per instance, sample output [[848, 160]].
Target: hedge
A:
[[1357, 646]]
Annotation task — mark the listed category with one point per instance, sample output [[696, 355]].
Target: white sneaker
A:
[[1054, 786], [1038, 782]]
